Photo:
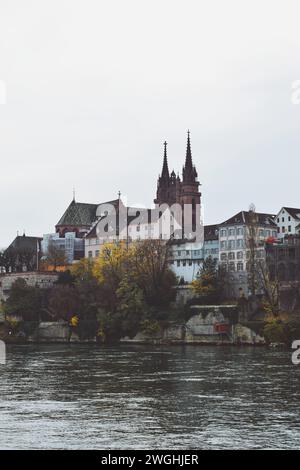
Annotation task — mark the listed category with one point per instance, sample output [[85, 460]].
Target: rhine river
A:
[[144, 397]]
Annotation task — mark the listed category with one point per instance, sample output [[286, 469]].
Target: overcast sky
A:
[[94, 88]]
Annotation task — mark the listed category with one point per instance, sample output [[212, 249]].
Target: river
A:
[[144, 397]]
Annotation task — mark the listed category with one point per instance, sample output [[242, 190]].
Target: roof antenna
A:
[[73, 193], [119, 195]]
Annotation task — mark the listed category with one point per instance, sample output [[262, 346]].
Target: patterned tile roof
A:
[[243, 217], [79, 214]]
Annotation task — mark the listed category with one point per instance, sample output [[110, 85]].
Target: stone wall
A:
[[211, 324], [34, 279]]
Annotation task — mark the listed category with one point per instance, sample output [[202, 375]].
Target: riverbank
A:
[[209, 325]]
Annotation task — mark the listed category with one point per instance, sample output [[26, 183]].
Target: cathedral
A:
[[173, 190], [80, 217]]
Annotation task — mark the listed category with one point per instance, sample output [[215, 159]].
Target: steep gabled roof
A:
[[79, 213], [244, 217], [294, 212], [82, 214], [25, 243]]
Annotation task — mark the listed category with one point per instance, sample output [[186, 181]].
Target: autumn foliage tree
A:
[[209, 284]]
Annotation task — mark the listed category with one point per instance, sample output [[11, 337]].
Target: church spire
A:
[[189, 172], [188, 157], [165, 168]]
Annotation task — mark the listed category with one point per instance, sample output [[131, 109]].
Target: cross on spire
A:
[[165, 168]]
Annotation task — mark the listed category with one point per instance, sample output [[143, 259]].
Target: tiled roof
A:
[[295, 213], [211, 232], [81, 214], [24, 242], [243, 217]]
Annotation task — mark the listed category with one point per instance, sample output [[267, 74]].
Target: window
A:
[[231, 267], [183, 263], [261, 233], [97, 253], [223, 245], [90, 254], [179, 253], [240, 255], [178, 263], [231, 232], [223, 233], [283, 229], [187, 252], [282, 219], [289, 228], [240, 266], [231, 255], [231, 244], [190, 262], [240, 243], [223, 256], [289, 218]]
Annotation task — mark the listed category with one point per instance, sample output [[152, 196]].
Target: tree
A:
[[62, 302], [109, 269], [131, 306], [26, 258], [24, 301], [269, 287], [55, 256], [252, 243], [150, 260], [83, 270], [210, 281], [8, 259]]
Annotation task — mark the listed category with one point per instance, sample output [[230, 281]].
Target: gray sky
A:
[[94, 88]]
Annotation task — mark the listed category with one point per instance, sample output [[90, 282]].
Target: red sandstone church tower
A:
[[171, 189]]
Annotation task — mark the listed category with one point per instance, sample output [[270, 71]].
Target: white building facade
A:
[[234, 250], [288, 221]]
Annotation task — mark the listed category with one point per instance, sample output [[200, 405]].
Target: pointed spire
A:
[[74, 194], [165, 168], [189, 173], [188, 157]]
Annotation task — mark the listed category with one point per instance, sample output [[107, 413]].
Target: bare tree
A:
[[252, 243], [55, 256]]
